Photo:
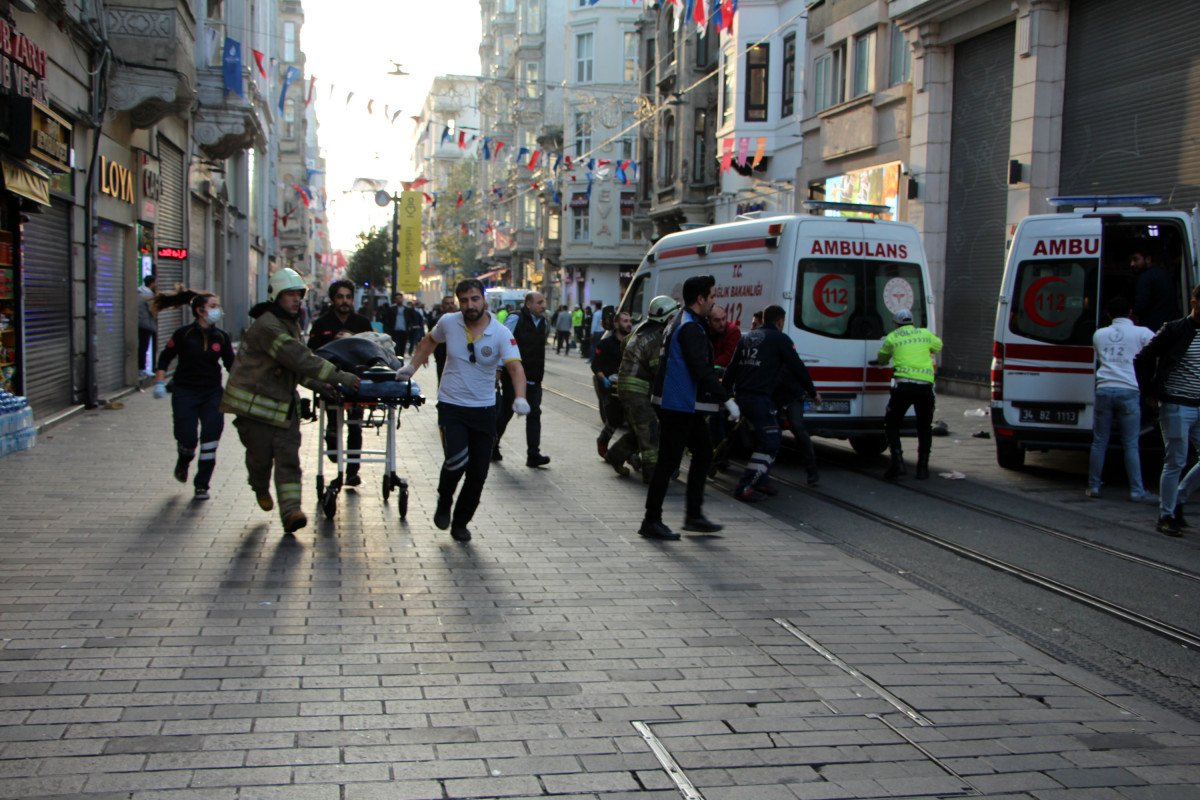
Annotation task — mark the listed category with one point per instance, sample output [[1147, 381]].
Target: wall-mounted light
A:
[[912, 188], [1014, 172]]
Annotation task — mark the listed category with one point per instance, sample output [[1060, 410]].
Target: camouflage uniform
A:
[[639, 362]]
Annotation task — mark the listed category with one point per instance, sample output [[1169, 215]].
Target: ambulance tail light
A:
[[997, 370]]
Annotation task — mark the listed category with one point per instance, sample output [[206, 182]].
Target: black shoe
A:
[[354, 480], [896, 467], [459, 533], [701, 524], [813, 477], [1180, 521], [181, 470], [922, 472], [441, 517], [1168, 526], [496, 454], [747, 495], [657, 530], [601, 446], [201, 493], [538, 460]]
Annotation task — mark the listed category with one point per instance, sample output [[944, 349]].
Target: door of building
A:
[[46, 252], [110, 307]]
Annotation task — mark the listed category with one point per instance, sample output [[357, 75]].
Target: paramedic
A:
[[606, 362], [1153, 289], [911, 349]]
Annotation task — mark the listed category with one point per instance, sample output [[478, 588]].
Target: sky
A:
[[349, 46]]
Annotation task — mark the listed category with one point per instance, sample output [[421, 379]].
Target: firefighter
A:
[[911, 350], [261, 392], [639, 444]]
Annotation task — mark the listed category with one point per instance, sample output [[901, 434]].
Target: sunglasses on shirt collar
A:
[[471, 351]]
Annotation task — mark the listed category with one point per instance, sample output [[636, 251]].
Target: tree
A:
[[371, 262], [453, 249]]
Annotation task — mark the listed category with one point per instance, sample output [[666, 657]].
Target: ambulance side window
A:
[[828, 295], [896, 285], [635, 298], [1055, 301]]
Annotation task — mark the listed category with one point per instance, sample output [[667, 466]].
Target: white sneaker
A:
[[1093, 493], [1144, 497]]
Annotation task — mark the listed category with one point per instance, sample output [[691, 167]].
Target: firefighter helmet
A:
[[284, 280], [661, 308]]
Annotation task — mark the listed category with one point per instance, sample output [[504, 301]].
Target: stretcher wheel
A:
[[320, 487], [387, 486], [329, 504], [403, 503]]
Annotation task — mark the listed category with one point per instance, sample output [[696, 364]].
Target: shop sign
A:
[[580, 200], [22, 65], [873, 186], [149, 187], [116, 180], [50, 139], [172, 253]]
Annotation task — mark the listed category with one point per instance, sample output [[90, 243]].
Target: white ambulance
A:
[[1062, 270], [839, 278], [499, 296]]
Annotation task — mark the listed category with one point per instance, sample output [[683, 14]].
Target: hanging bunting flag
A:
[[289, 76], [487, 152], [231, 63], [533, 159], [331, 88], [462, 140], [371, 106], [428, 199], [743, 149], [470, 193], [700, 15], [395, 115], [446, 135], [303, 195], [726, 154], [568, 160], [258, 58], [419, 182], [524, 151], [619, 173], [349, 97], [496, 152], [312, 83], [760, 149], [460, 200]]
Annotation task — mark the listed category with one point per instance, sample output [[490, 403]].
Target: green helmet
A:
[[661, 308], [284, 280]]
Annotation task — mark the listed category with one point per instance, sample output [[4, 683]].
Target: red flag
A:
[[311, 83], [428, 199], [727, 14], [460, 199], [462, 139], [419, 182], [303, 194], [258, 58], [568, 160], [533, 159], [496, 152]]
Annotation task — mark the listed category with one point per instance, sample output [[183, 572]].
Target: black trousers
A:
[[145, 337], [918, 396], [793, 410], [562, 340], [533, 422], [198, 407], [467, 438], [354, 436], [678, 430]]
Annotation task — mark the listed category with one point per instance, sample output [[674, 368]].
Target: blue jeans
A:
[[1180, 424], [1122, 404]]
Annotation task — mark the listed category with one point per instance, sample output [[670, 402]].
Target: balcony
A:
[[226, 124], [153, 45]]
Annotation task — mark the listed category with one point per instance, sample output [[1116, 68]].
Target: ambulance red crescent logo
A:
[[819, 300], [1030, 301]]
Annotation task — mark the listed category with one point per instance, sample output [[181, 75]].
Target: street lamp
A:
[[382, 198]]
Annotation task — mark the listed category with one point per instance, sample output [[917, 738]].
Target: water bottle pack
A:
[[17, 431]]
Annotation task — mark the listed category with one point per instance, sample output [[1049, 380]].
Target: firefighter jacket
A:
[[271, 360], [639, 359]]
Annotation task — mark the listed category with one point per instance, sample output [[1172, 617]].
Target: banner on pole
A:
[[408, 247]]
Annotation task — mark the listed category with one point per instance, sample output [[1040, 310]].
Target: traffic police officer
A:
[[911, 350]]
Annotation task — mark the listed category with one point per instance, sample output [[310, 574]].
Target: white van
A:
[[1062, 270], [498, 297], [840, 279]]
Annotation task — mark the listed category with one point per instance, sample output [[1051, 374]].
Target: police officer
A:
[[530, 331], [911, 350], [761, 357], [639, 362], [606, 361], [261, 392]]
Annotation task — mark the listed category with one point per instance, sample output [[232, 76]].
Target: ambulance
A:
[[1062, 270], [499, 296], [839, 278]]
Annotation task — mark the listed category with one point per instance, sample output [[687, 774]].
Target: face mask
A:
[[214, 316]]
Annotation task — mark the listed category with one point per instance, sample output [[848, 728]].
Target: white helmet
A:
[[661, 308], [284, 280]]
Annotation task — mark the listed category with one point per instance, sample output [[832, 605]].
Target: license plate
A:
[[1051, 416], [830, 407]]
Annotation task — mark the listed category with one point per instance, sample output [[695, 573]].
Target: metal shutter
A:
[[168, 231], [199, 276], [110, 308], [1130, 98], [981, 120], [46, 260]]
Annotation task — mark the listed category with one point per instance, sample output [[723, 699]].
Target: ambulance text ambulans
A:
[[1062, 270], [840, 279]]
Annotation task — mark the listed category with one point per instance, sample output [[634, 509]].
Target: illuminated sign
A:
[[174, 253], [116, 180]]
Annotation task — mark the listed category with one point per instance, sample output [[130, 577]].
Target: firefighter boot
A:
[[896, 468], [922, 466]]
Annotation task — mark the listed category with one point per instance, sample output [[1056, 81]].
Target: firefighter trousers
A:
[[641, 434], [271, 447]]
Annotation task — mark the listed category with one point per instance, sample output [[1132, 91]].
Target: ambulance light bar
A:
[[1097, 200], [853, 208]]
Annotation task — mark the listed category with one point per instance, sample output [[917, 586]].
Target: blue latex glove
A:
[[605, 382], [160, 390]]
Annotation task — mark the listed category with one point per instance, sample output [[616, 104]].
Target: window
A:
[[289, 117], [533, 86], [627, 149], [757, 62], [581, 230], [553, 220], [583, 133], [629, 231], [1057, 300], [704, 54], [669, 43], [789, 76], [667, 162], [631, 57], [533, 16], [864, 65], [528, 212], [900, 67], [699, 145], [584, 56], [728, 101], [829, 79], [851, 298], [635, 298], [289, 42], [648, 76]]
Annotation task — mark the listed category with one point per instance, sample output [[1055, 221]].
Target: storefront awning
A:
[[25, 181]]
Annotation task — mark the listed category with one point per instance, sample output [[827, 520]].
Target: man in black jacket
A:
[[762, 356], [1168, 373], [685, 391], [606, 362], [531, 331]]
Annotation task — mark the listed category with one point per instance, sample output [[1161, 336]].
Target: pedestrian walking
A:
[[147, 327], [577, 320], [762, 356], [202, 348], [911, 350], [1168, 372], [531, 332], [395, 323], [685, 390], [476, 345], [562, 331], [261, 392], [606, 363], [1117, 397]]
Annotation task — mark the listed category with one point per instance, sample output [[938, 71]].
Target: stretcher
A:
[[380, 402]]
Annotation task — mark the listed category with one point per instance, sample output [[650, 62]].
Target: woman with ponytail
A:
[[202, 348]]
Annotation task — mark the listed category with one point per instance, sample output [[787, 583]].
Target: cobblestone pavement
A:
[[158, 648]]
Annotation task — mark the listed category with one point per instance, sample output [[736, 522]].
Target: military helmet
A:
[[284, 280], [661, 308]]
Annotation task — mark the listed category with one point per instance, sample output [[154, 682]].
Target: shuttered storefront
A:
[[110, 307], [46, 254], [168, 232], [981, 121], [1131, 100], [199, 275]]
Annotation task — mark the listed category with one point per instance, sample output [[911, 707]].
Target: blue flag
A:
[[288, 78], [232, 64]]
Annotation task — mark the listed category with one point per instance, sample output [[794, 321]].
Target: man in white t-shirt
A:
[[476, 344], [1117, 397]]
